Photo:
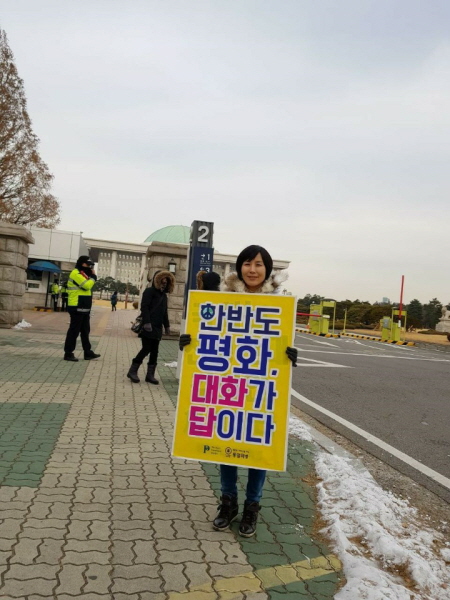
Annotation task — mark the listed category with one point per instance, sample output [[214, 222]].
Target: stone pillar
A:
[[14, 240]]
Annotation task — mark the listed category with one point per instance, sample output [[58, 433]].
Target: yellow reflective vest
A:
[[55, 289], [79, 288]]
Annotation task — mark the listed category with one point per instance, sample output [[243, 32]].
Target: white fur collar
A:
[[232, 283]]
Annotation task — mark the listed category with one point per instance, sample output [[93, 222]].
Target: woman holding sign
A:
[[253, 276]]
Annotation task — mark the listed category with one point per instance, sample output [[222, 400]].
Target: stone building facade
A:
[[14, 247]]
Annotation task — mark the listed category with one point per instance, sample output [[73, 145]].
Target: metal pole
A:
[[345, 319], [334, 318], [401, 305], [126, 296], [401, 298], [46, 289]]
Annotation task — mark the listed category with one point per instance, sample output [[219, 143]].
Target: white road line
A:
[[320, 363], [325, 343], [412, 462], [376, 355]]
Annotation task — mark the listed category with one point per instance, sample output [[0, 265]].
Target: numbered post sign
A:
[[202, 260], [234, 393]]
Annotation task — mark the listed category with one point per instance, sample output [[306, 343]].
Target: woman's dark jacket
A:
[[154, 306]]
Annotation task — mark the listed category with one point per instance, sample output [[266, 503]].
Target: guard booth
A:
[[391, 327], [319, 323]]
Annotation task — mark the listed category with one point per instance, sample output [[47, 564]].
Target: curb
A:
[[37, 308], [327, 335], [377, 339]]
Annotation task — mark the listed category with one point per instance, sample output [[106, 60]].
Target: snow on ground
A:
[[22, 325], [378, 536], [172, 365], [298, 428]]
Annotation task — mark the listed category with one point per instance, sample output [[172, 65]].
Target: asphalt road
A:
[[399, 394]]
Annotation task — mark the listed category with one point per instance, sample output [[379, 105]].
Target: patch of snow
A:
[[172, 365], [374, 533], [22, 325], [445, 552], [298, 428]]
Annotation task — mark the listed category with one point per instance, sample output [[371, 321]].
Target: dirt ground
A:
[[120, 305], [410, 337]]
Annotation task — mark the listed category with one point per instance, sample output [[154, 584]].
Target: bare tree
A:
[[25, 180]]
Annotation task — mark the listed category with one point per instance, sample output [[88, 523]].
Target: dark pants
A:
[[79, 326], [113, 307], [55, 302], [255, 483], [148, 347], [64, 303]]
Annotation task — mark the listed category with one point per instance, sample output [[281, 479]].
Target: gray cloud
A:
[[317, 129]]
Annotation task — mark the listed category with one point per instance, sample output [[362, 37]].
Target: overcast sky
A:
[[316, 128]]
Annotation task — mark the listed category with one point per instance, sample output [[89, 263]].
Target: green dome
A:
[[172, 234]]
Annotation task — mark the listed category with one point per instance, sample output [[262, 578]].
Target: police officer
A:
[[55, 293], [64, 296], [81, 281]]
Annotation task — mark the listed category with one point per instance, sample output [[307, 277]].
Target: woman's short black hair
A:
[[249, 253]]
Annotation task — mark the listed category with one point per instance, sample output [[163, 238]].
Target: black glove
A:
[[185, 340], [147, 327], [292, 355]]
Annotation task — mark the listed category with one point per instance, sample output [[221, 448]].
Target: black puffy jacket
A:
[[154, 305]]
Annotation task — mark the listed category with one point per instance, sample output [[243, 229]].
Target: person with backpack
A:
[[154, 318]]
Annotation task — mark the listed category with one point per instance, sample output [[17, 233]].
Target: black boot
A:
[[132, 372], [70, 357], [90, 355], [150, 377], [228, 511], [247, 528]]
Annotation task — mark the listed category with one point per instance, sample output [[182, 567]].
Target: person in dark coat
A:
[[208, 281], [154, 319], [113, 300]]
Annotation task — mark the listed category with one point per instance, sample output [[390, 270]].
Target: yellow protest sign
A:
[[234, 393]]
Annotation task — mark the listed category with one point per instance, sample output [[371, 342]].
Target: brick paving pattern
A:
[[93, 506]]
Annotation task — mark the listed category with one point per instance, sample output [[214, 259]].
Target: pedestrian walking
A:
[[81, 281], [253, 276], [55, 293], [114, 301], [154, 319], [64, 296]]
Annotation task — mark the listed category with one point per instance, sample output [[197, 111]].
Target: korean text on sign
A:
[[233, 403]]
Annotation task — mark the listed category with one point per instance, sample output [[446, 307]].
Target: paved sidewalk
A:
[[93, 506]]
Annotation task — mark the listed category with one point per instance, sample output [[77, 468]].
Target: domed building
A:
[[172, 234]]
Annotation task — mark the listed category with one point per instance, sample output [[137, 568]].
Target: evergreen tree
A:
[[25, 180], [415, 313], [432, 313]]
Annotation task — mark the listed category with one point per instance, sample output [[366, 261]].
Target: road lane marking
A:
[[376, 355], [326, 343], [321, 363], [412, 462]]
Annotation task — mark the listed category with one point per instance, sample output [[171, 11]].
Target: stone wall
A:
[[14, 240]]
